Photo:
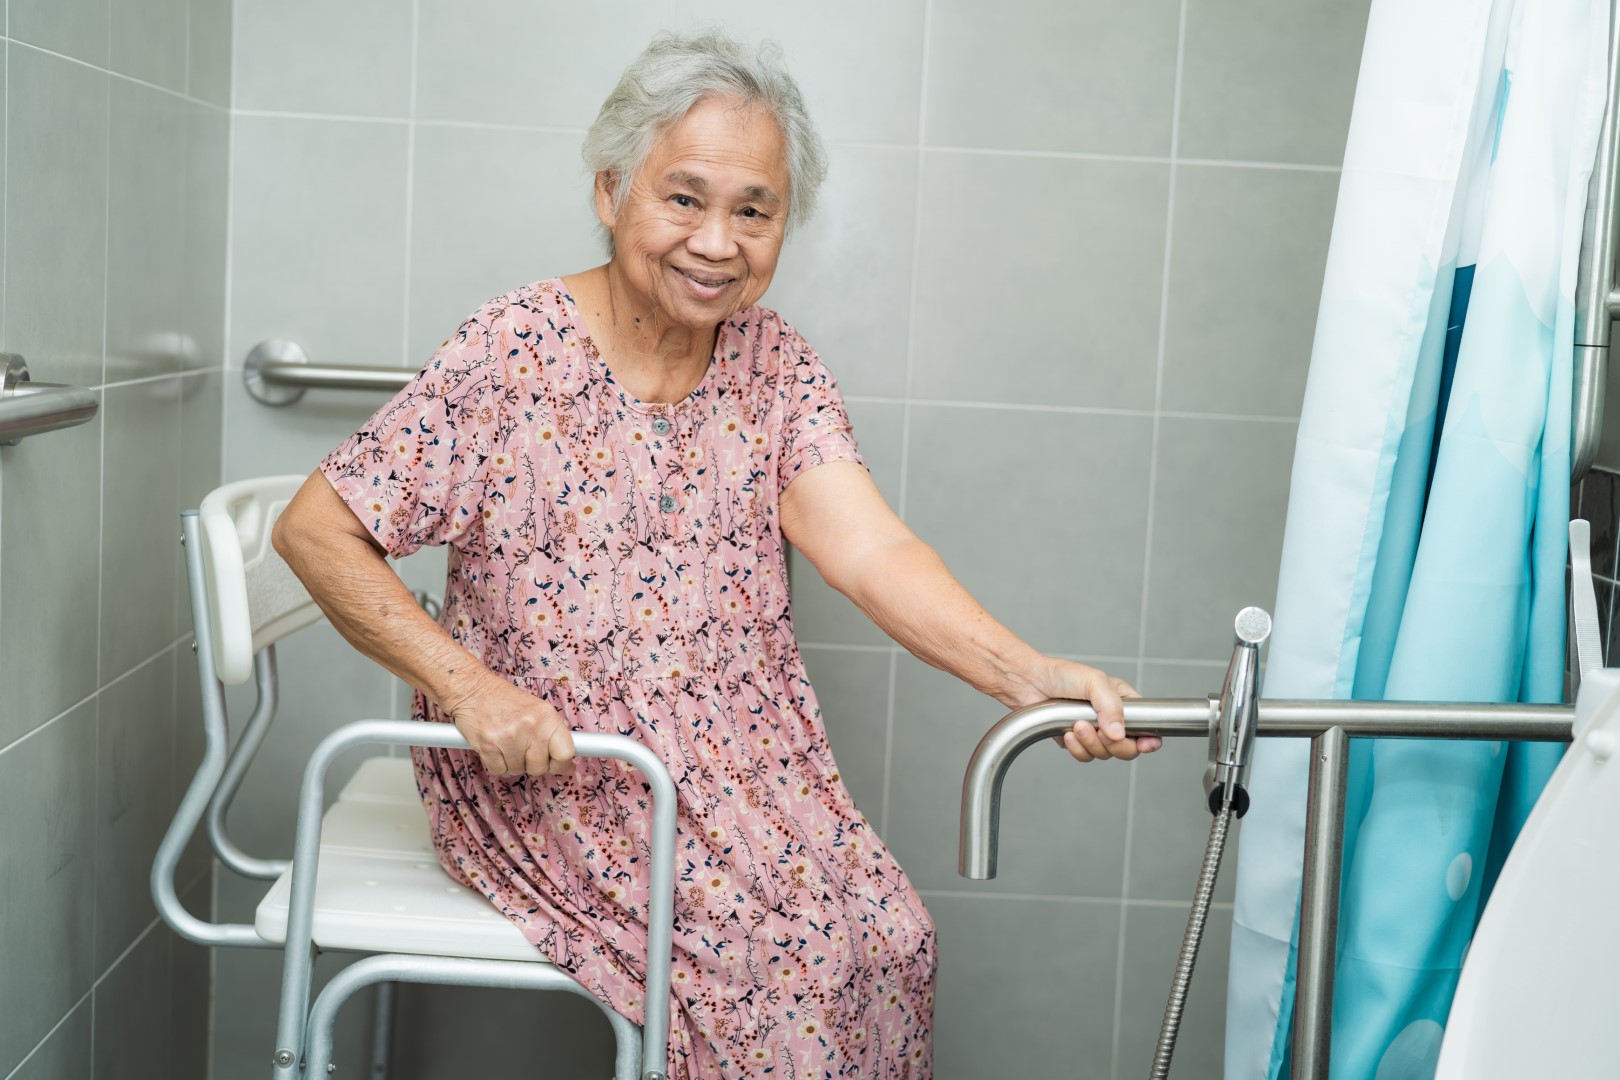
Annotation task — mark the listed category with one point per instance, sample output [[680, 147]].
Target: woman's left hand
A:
[[1107, 738]]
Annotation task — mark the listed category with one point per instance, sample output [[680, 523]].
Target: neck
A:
[[650, 356], [640, 325]]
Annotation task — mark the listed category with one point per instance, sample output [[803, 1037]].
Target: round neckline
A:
[[628, 399]]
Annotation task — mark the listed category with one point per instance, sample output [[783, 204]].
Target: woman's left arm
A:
[[836, 517]]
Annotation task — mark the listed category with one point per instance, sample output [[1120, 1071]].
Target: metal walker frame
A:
[[304, 1031]]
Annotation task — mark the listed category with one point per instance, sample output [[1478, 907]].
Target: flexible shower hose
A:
[[1190, 942]]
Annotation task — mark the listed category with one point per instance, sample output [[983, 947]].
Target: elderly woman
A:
[[615, 459]]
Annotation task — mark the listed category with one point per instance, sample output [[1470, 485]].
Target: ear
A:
[[607, 185]]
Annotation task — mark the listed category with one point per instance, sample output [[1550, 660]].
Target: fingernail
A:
[[1116, 731]]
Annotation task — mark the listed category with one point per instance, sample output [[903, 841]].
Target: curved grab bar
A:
[[1329, 724], [278, 371], [31, 408], [1168, 717]]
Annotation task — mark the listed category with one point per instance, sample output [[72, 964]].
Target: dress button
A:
[[666, 503], [661, 426]]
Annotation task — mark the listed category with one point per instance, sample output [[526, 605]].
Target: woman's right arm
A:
[[346, 573]]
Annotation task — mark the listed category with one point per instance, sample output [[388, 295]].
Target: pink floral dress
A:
[[624, 562]]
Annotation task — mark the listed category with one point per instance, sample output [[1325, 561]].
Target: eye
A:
[[751, 212], [685, 202]]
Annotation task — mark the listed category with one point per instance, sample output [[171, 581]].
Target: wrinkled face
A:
[[700, 231]]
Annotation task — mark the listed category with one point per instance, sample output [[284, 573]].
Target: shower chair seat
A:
[[380, 887]]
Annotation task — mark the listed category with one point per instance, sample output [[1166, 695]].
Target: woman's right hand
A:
[[512, 731]]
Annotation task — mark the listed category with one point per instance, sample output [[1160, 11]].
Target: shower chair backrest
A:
[[254, 599]]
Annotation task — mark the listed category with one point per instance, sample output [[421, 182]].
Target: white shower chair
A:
[[364, 877]]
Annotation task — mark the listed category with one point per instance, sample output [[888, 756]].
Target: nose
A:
[[712, 239]]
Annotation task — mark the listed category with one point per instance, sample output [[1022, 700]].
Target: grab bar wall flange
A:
[[32, 408], [278, 371]]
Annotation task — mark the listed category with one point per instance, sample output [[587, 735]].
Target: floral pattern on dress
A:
[[624, 562]]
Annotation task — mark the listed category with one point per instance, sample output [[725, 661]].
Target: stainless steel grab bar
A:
[[1328, 724], [1596, 300], [31, 408], [278, 371]]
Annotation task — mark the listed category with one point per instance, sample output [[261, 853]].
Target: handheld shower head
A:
[[1233, 736]]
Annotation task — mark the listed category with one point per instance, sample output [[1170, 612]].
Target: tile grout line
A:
[[340, 118], [916, 258], [888, 740], [101, 523], [1147, 542], [230, 260], [210, 1021], [154, 658], [905, 411], [143, 380], [410, 196], [845, 647], [19, 740], [1077, 410], [111, 74], [858, 144], [71, 1009]]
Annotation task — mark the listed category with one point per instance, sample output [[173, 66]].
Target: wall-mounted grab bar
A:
[[31, 408], [1329, 725], [1596, 300], [278, 371]]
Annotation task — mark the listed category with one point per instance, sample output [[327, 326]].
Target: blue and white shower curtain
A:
[[1426, 536]]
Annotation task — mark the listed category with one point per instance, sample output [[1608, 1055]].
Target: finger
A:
[[1087, 737], [494, 761], [1123, 749], [561, 745], [1110, 711], [1072, 745], [1149, 743], [1125, 689], [536, 758]]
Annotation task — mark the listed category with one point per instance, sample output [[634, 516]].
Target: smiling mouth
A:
[[706, 281]]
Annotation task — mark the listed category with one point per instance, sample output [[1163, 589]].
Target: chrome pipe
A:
[[278, 371], [1171, 718], [335, 376], [1319, 904], [1591, 388], [194, 803], [31, 408], [236, 767], [387, 969], [1595, 295], [294, 1017]]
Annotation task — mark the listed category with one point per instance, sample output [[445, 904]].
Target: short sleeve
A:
[[816, 426], [415, 473]]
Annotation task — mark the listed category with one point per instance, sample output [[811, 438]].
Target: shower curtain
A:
[[1426, 534]]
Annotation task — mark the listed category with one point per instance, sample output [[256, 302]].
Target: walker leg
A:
[[382, 1031], [627, 1046]]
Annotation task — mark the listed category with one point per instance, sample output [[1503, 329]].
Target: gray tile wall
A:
[[1066, 267], [116, 130]]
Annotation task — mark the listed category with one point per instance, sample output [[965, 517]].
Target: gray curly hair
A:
[[672, 75]]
